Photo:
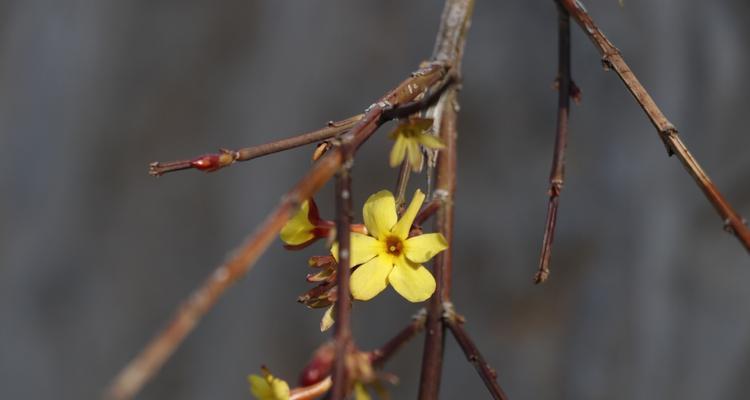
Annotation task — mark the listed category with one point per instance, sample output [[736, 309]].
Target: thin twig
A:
[[381, 355], [225, 158], [132, 378], [402, 183], [427, 211], [343, 333], [449, 45], [612, 59], [488, 375], [557, 175]]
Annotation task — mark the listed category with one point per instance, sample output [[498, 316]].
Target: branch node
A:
[[420, 316], [667, 135]]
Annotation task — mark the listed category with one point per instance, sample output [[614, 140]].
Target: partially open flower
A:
[[409, 135], [268, 387], [387, 255], [305, 227]]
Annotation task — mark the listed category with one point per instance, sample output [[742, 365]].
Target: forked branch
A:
[[612, 59], [132, 378]]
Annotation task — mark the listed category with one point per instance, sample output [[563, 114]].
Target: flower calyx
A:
[[305, 227]]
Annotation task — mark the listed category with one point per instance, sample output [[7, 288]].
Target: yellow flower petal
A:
[[398, 151], [430, 141], [259, 387], [415, 154], [363, 248], [360, 393], [370, 278], [279, 388], [298, 229], [380, 213], [402, 227], [422, 248], [327, 322], [412, 281]]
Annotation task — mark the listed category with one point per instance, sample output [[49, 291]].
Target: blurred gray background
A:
[[647, 298]]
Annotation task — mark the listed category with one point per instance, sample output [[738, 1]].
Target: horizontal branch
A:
[[225, 158], [132, 378], [612, 59]]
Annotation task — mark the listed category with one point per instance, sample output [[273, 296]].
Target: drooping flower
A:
[[409, 135], [268, 387], [387, 255], [305, 227]]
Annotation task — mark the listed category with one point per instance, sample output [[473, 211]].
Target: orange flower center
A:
[[394, 245]]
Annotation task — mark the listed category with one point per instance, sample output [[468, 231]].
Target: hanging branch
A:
[[132, 378], [557, 175], [488, 375], [343, 334], [225, 158], [612, 59], [449, 45]]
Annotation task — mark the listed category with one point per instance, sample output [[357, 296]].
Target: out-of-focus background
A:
[[647, 298]]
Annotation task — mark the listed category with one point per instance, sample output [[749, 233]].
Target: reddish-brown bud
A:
[[213, 162], [319, 366]]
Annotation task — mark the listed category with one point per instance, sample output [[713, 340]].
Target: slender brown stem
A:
[[213, 162], [612, 59], [132, 378], [343, 333], [427, 211], [381, 355], [402, 183], [449, 45], [557, 175], [432, 358], [488, 375]]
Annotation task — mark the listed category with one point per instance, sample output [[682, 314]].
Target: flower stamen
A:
[[394, 245]]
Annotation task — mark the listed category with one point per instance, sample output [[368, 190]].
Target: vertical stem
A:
[[432, 359], [454, 26], [342, 333], [403, 182], [557, 174]]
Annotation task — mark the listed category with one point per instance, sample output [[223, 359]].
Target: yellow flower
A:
[[305, 227], [388, 255], [268, 387], [408, 136]]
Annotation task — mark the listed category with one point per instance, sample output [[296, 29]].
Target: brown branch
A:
[[557, 175], [384, 353], [449, 45], [612, 59], [343, 334], [132, 378], [488, 375], [401, 184], [427, 211], [225, 158]]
